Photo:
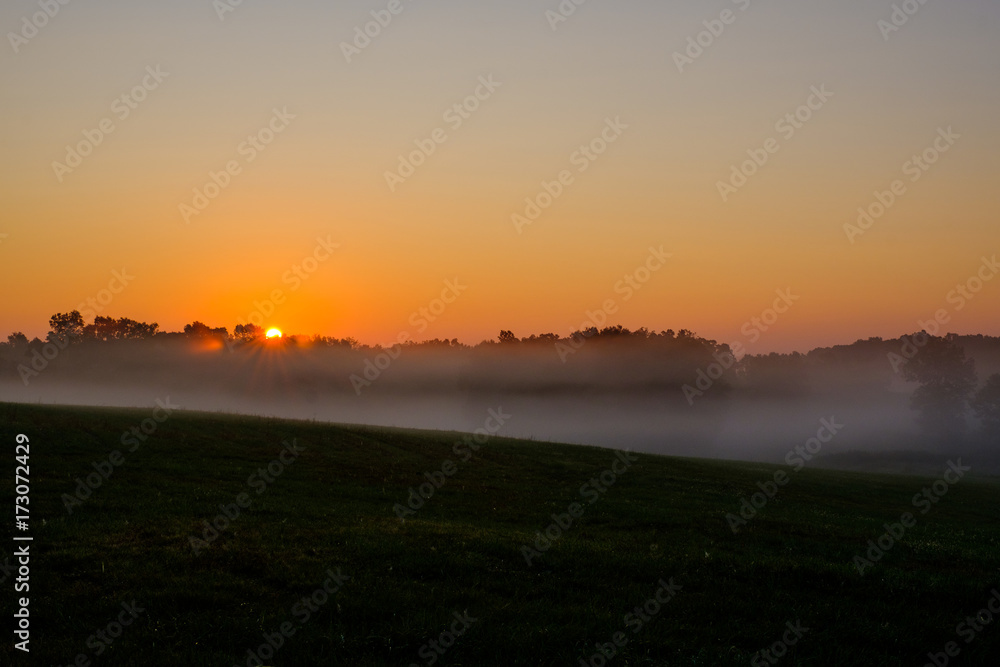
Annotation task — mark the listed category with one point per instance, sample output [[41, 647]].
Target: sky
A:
[[269, 162]]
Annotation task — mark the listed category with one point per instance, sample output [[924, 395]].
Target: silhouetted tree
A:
[[246, 333], [66, 327], [199, 330], [507, 337], [108, 328], [548, 338], [946, 379], [348, 343], [986, 405], [17, 340], [103, 328], [133, 330], [437, 342], [616, 330]]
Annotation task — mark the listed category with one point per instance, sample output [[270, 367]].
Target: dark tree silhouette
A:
[[108, 328], [103, 328], [617, 330], [17, 340], [946, 379], [137, 330], [246, 333], [986, 405], [329, 341], [66, 327], [549, 338], [507, 337], [199, 330]]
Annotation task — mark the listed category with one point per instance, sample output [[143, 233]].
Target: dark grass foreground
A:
[[330, 511]]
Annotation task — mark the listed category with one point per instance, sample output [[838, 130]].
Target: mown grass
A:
[[333, 508]]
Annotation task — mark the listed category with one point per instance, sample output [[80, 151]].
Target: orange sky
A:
[[553, 91]]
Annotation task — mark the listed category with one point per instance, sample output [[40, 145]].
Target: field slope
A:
[[328, 510]]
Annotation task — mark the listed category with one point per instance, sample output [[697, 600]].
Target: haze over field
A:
[[668, 393]]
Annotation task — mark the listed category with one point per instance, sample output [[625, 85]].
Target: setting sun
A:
[[273, 333]]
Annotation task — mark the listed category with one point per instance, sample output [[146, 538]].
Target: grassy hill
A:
[[327, 514]]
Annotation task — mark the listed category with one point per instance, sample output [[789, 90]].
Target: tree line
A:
[[947, 388]]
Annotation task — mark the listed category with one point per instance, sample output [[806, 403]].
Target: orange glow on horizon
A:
[[202, 204]]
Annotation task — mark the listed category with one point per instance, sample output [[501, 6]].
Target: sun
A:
[[273, 333]]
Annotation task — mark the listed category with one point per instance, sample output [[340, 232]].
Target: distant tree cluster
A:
[[245, 333], [946, 379], [70, 328], [986, 405], [616, 331], [198, 330]]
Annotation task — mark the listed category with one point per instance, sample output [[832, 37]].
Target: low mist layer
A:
[[668, 393]]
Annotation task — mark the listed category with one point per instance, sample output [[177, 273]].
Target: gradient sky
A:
[[324, 175]]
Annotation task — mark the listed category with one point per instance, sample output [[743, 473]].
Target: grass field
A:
[[329, 511]]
